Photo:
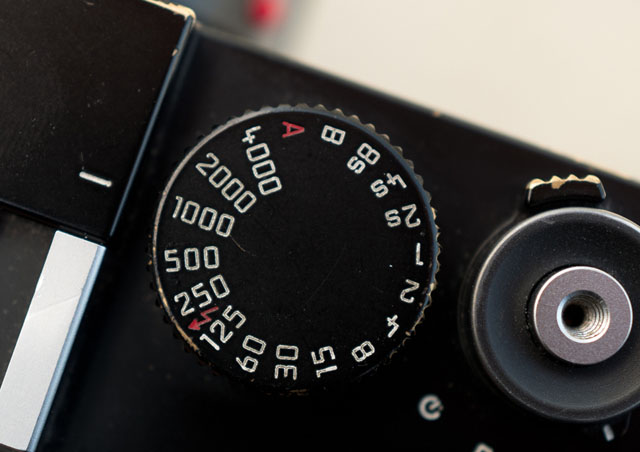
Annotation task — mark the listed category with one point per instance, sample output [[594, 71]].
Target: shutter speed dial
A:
[[294, 248]]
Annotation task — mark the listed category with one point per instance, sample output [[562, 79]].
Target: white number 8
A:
[[363, 351], [369, 154]]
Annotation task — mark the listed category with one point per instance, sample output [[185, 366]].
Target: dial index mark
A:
[[95, 179], [195, 324]]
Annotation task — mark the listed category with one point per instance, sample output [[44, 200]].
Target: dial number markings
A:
[[286, 353], [392, 322], [364, 155], [324, 353], [413, 286], [254, 345], [393, 217], [363, 351], [419, 262], [223, 335], [262, 169], [379, 186], [183, 299], [333, 135], [230, 187], [218, 286], [249, 135], [191, 259], [191, 211], [274, 270]]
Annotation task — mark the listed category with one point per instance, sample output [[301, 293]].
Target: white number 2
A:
[[412, 287], [393, 217]]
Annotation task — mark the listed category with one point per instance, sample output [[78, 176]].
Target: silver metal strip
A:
[[45, 339]]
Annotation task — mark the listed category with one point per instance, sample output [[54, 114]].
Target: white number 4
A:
[[379, 188]]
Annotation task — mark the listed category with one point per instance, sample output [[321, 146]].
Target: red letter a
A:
[[292, 129]]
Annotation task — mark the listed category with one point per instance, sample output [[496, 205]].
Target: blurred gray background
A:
[[563, 75]]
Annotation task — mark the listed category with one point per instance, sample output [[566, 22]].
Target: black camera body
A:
[[128, 385]]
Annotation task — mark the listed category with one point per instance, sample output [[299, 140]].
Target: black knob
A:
[[294, 248], [548, 314]]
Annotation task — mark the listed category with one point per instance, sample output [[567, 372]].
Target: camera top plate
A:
[[80, 82]]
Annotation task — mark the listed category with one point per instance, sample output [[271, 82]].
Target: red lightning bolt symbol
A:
[[195, 325]]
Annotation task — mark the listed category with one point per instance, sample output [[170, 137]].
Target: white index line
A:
[[608, 433], [95, 179]]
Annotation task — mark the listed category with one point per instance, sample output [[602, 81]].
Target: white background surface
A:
[[564, 75]]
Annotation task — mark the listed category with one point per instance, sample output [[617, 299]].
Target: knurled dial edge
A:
[[239, 139]]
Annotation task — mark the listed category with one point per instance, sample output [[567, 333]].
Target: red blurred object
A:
[[266, 13]]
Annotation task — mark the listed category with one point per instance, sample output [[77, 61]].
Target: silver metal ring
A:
[[582, 315]]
